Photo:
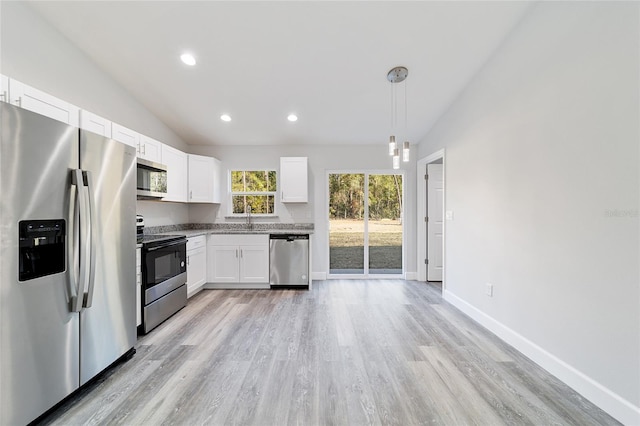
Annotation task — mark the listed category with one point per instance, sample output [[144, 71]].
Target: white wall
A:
[[158, 213], [542, 174], [33, 52], [321, 159]]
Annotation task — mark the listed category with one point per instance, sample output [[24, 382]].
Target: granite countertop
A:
[[193, 230]]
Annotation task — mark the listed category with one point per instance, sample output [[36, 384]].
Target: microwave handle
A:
[[165, 246]]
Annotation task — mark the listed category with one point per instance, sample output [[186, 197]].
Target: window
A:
[[255, 189]]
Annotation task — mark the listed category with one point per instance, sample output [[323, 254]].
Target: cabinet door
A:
[[176, 162], [293, 180], [201, 177], [217, 178], [150, 149], [94, 123], [43, 103], [223, 264], [254, 264], [4, 88], [125, 135], [196, 270]]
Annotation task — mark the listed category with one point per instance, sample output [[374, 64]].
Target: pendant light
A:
[[396, 159], [394, 76]]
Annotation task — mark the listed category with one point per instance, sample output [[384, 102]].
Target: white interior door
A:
[[435, 202]]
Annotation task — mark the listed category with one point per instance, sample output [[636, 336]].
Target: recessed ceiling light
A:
[[188, 59], [225, 117], [292, 117]]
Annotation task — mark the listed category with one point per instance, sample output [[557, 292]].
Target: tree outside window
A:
[[255, 188]]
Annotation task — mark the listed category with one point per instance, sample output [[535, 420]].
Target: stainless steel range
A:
[[164, 277]]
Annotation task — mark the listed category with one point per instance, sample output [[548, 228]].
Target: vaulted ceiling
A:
[[260, 61]]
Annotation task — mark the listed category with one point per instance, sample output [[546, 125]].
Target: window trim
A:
[[273, 193]]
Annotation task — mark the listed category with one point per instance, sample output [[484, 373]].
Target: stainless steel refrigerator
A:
[[67, 260]]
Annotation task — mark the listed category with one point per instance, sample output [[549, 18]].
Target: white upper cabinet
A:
[[217, 178], [94, 123], [150, 149], [43, 103], [293, 180], [4, 88], [203, 187], [177, 174], [125, 135]]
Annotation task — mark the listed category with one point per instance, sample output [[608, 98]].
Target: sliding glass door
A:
[[346, 223], [385, 224], [365, 224]]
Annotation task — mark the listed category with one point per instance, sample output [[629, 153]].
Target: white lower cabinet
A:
[[196, 264], [138, 286], [238, 261], [254, 263]]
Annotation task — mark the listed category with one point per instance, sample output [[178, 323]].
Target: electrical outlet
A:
[[489, 289]]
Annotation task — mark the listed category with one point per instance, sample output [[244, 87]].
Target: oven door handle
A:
[[166, 245]]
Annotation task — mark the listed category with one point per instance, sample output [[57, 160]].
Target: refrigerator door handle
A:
[[88, 296], [75, 302]]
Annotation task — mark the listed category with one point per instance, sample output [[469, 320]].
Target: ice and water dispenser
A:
[[41, 248]]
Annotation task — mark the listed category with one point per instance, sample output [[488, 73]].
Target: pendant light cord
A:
[[406, 128]]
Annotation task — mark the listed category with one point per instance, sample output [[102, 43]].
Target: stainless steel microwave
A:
[[152, 179]]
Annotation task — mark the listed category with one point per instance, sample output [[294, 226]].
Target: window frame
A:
[[252, 193]]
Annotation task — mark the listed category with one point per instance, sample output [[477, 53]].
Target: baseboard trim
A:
[[411, 276], [237, 286], [618, 407], [319, 276]]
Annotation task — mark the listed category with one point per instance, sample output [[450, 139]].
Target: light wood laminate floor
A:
[[388, 352]]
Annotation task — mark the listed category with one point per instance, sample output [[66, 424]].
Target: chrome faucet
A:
[[249, 224]]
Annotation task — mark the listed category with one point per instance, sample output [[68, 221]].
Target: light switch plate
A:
[[489, 290], [449, 214]]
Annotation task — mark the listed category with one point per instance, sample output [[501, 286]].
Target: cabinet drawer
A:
[[238, 239], [196, 242]]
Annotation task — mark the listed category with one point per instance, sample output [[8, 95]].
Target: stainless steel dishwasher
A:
[[288, 260]]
